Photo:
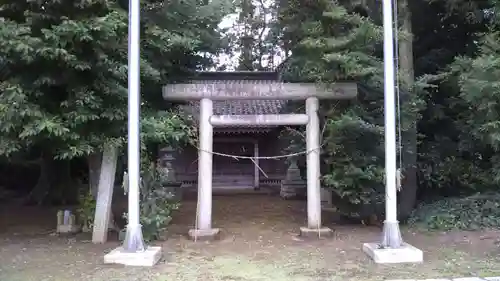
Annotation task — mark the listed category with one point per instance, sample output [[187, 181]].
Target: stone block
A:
[[122, 234], [322, 232], [492, 278], [406, 254], [292, 189], [468, 279], [148, 258], [66, 222], [204, 234], [68, 228], [326, 196]]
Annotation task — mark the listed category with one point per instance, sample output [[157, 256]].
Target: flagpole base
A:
[[391, 235], [392, 249], [134, 251], [134, 242], [146, 258], [404, 254]]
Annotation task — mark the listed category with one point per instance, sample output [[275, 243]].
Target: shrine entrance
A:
[[207, 87], [233, 173]]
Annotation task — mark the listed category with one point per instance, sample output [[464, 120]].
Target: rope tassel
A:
[[399, 178]]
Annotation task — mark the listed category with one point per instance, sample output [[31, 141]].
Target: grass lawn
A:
[[259, 242]]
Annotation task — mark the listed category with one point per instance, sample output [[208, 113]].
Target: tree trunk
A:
[[103, 213], [42, 188], [373, 9], [64, 187], [94, 164], [408, 194]]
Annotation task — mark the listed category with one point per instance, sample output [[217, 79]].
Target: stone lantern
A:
[[293, 184]]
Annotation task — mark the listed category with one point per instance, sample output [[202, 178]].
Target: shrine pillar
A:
[[313, 164], [314, 227], [203, 228]]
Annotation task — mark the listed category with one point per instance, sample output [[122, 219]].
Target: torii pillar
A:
[[211, 91]]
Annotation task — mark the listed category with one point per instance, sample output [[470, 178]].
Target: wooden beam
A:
[[262, 90], [258, 120]]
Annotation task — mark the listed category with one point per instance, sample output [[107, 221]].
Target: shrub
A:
[[86, 211], [480, 211], [157, 202]]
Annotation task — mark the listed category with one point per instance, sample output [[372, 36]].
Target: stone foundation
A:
[[149, 257], [204, 234], [323, 232], [406, 254]]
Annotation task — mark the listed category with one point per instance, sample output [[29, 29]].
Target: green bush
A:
[[86, 211], [480, 211], [157, 202]]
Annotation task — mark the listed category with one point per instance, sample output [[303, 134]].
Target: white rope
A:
[[276, 157], [398, 105]]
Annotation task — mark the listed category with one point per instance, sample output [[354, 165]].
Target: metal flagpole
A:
[[134, 241], [391, 233]]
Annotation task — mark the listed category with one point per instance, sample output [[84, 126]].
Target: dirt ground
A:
[[259, 243]]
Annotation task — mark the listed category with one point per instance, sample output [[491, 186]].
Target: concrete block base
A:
[[204, 234], [149, 257], [406, 254], [322, 232], [122, 234], [326, 196], [68, 228], [328, 208]]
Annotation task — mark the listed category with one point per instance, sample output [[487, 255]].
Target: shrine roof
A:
[[240, 107], [237, 107]]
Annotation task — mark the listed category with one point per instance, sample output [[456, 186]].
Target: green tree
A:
[[332, 43], [65, 92], [479, 93], [447, 165]]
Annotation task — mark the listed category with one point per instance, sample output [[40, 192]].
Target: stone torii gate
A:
[[212, 90]]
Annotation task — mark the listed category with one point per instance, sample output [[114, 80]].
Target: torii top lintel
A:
[[246, 85]]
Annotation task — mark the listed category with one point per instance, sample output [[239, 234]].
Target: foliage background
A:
[[64, 79]]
